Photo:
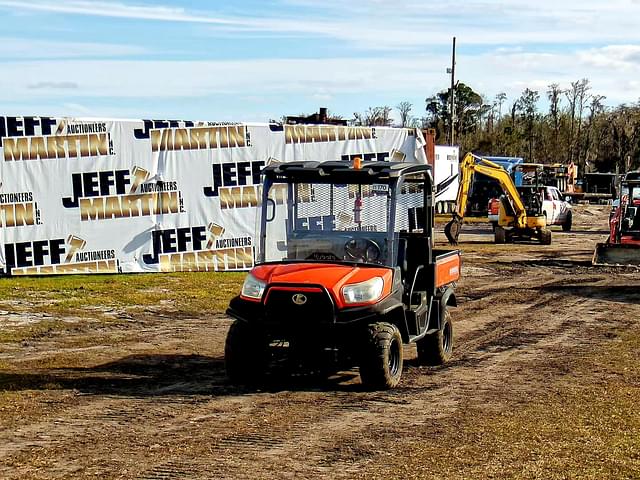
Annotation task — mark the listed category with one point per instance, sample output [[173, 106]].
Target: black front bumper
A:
[[281, 313]]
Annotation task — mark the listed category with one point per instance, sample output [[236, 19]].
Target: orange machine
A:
[[346, 273]]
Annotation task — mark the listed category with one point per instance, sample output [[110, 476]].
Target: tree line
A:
[[577, 127]]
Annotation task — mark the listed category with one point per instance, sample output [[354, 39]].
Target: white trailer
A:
[[446, 170]]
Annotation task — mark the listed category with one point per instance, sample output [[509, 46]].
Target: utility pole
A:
[[453, 92]]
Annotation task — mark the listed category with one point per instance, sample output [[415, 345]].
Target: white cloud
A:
[[321, 79], [76, 109], [113, 9], [26, 48], [513, 73], [48, 85], [150, 79], [403, 24], [622, 58], [502, 46]]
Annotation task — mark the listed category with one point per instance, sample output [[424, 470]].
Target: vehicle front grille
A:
[[297, 308]]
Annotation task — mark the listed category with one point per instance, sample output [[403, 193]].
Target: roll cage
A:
[[392, 174]]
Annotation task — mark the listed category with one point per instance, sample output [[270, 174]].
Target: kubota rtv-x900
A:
[[345, 274]]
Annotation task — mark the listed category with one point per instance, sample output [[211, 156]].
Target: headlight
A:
[[363, 292], [252, 287]]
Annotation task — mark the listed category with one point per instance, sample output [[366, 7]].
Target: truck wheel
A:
[[437, 348], [381, 362], [245, 353], [566, 226], [545, 236], [500, 235], [508, 236]]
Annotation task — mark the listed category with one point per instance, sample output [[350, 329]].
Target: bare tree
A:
[[596, 108], [577, 96], [583, 98], [500, 98], [553, 94], [404, 108], [572, 98], [528, 102], [374, 117], [577, 126]]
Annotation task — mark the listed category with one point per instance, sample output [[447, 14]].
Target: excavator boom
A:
[[472, 164]]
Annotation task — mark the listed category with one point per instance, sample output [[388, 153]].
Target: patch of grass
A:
[[195, 293], [31, 331], [585, 425]]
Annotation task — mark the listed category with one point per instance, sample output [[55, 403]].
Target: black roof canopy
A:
[[343, 172]]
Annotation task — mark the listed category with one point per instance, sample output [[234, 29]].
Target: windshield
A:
[[339, 222], [328, 222], [636, 192]]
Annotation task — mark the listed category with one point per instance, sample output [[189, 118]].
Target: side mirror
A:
[[567, 199], [271, 209]]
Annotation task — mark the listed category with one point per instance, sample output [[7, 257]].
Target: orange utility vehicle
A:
[[345, 274]]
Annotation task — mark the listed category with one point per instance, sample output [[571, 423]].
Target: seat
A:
[[634, 218], [415, 253]]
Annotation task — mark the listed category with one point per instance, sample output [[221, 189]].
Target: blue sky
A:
[[256, 60]]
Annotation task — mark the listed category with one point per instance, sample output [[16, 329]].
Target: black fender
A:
[[390, 310], [397, 317], [441, 301], [393, 312], [449, 297], [244, 310]]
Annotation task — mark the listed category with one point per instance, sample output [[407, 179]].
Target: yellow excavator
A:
[[520, 215]]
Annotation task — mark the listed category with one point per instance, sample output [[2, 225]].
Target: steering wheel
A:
[[362, 250]]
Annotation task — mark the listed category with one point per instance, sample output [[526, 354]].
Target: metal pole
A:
[[453, 92]]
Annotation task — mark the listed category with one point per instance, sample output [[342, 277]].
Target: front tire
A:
[[245, 353], [500, 235], [437, 348], [545, 236], [382, 360], [566, 226]]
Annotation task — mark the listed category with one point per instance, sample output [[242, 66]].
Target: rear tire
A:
[[545, 236], [245, 353], [566, 226], [500, 235], [381, 362], [437, 348]]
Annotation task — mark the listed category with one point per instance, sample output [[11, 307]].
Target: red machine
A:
[[623, 245]]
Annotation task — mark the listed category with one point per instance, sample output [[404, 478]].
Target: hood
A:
[[331, 276]]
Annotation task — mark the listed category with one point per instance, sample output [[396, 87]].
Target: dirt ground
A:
[[147, 398]]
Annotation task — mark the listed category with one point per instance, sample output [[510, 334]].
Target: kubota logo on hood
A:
[[299, 299]]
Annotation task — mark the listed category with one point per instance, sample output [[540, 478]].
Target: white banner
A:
[[108, 196]]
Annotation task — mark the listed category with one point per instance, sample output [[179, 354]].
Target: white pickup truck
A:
[[555, 209]]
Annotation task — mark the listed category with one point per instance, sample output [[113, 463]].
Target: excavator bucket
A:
[[452, 230], [615, 254]]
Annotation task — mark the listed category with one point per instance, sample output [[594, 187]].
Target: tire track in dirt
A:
[[503, 348], [486, 350], [519, 325]]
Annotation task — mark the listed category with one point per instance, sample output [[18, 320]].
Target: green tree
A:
[[469, 108]]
